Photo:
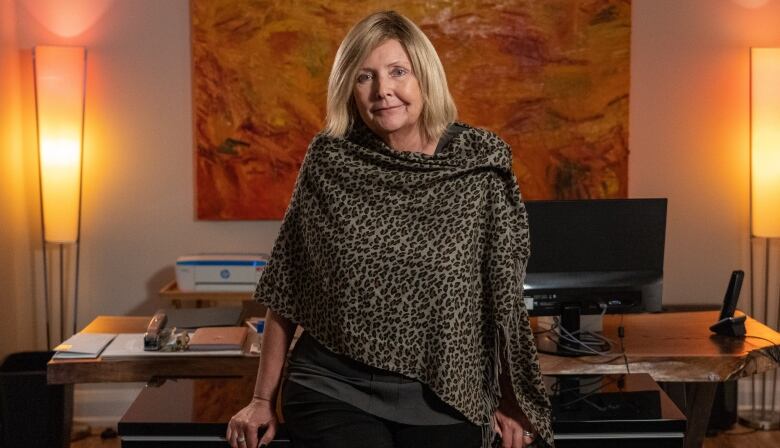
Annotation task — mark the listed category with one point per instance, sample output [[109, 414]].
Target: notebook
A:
[[218, 338]]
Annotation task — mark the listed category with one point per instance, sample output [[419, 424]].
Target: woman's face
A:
[[387, 93]]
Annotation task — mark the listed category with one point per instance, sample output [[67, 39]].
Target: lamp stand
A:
[[46, 305], [60, 247], [762, 417]]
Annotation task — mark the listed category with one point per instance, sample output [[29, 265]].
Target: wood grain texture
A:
[[677, 347]]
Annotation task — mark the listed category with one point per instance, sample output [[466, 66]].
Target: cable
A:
[[580, 341], [621, 335], [763, 339]]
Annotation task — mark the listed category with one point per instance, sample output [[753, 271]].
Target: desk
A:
[[671, 347]]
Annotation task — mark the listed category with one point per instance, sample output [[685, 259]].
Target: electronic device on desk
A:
[[727, 324], [724, 407], [591, 257], [219, 272]]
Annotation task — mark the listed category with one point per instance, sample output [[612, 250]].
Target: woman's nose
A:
[[382, 86]]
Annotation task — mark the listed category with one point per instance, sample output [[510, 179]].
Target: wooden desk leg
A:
[[695, 400]]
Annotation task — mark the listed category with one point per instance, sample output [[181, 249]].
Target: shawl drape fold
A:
[[414, 264]]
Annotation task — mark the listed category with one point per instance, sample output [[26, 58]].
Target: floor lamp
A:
[[60, 76], [764, 211]]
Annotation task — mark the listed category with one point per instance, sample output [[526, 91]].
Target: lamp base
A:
[[762, 420]]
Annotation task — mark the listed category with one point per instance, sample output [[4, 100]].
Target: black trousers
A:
[[315, 420]]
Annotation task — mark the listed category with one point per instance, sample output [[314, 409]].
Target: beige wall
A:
[[689, 131], [688, 140], [17, 224]]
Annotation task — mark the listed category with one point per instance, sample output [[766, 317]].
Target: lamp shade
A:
[[59, 96], [765, 141]]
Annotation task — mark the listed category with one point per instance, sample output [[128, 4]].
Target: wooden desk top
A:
[[677, 347], [668, 346]]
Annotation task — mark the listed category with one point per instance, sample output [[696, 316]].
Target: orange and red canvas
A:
[[550, 77]]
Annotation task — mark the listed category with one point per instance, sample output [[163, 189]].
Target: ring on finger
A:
[[528, 434], [241, 439]]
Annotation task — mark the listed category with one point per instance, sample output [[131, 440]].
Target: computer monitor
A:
[[594, 256]]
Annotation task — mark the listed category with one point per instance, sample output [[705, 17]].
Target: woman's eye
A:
[[363, 77], [398, 71]]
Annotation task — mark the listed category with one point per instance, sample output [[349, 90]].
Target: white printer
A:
[[219, 272]]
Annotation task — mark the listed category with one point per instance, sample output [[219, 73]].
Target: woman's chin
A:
[[390, 126]]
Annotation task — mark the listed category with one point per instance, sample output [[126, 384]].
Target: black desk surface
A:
[[187, 413], [612, 404], [594, 407]]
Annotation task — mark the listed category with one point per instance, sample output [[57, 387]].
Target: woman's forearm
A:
[[277, 337]]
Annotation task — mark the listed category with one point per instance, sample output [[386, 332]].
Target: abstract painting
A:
[[550, 77]]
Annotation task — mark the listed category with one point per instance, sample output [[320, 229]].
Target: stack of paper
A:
[[83, 346], [131, 345]]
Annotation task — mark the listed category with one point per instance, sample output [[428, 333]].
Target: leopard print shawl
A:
[[414, 264]]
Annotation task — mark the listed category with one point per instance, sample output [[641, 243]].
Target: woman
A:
[[402, 256]]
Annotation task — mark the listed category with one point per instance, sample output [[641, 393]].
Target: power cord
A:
[[622, 335], [588, 342], [581, 341]]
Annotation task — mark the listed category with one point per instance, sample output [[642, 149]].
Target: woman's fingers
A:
[[507, 438], [241, 434], [250, 433], [231, 434], [511, 433], [236, 434], [268, 436], [496, 426], [517, 438], [527, 440]]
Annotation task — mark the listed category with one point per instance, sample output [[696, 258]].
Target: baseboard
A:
[[745, 399]]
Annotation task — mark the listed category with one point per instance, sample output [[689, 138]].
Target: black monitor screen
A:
[[597, 235]]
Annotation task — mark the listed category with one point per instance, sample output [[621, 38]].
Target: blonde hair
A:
[[438, 107]]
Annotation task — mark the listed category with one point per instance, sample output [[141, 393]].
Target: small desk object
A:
[[187, 413]]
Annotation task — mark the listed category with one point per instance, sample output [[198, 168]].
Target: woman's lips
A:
[[383, 109]]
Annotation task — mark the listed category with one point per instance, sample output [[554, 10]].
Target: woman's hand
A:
[[242, 429], [510, 424]]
